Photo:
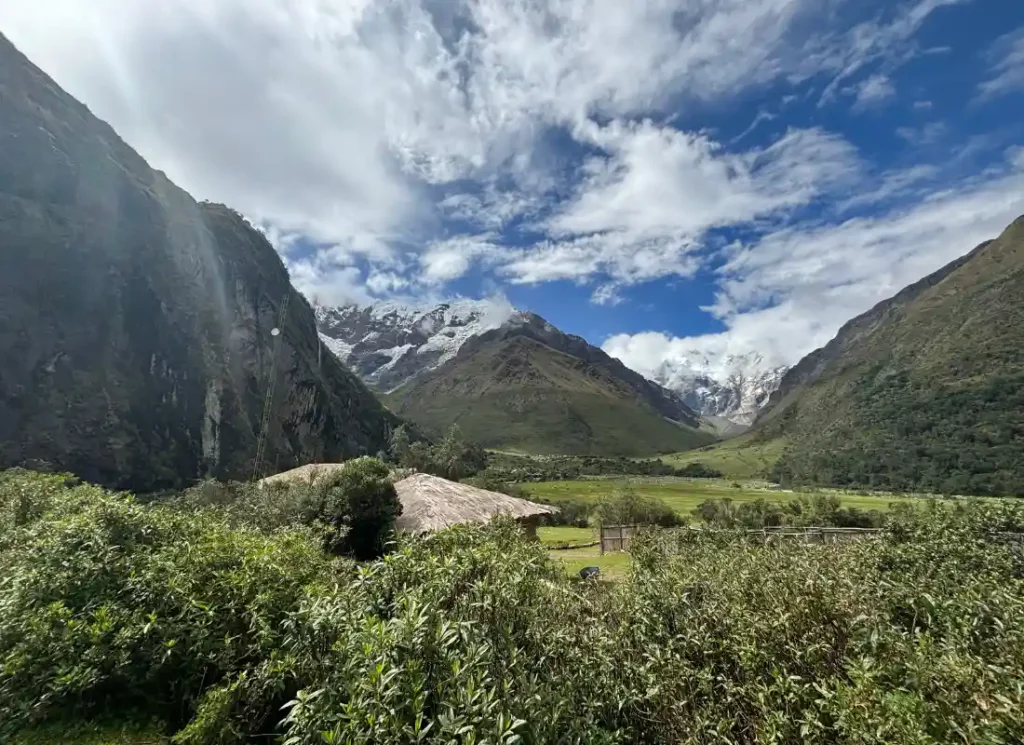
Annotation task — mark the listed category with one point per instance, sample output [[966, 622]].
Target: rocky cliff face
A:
[[138, 326]]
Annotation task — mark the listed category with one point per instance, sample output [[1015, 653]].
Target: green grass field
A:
[[560, 535], [737, 458], [683, 495], [613, 566]]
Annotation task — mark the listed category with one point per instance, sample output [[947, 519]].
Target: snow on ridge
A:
[[438, 332]]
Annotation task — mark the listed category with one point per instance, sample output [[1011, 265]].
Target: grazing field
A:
[[737, 458], [560, 535], [683, 495], [612, 565]]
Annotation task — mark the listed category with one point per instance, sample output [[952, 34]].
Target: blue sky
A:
[[677, 180]]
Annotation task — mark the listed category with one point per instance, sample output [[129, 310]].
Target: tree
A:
[[399, 447], [363, 506]]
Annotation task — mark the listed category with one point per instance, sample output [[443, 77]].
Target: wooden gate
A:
[[617, 537]]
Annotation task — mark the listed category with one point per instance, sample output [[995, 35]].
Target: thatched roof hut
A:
[[431, 503], [307, 474]]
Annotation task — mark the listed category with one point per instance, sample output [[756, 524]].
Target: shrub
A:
[[109, 605], [698, 470], [361, 505], [572, 512], [627, 507], [474, 635], [452, 458]]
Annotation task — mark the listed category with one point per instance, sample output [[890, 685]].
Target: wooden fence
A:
[[617, 537], [811, 535]]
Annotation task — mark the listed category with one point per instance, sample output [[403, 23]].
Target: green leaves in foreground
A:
[[472, 636]]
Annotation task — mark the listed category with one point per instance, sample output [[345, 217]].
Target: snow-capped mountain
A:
[[387, 343], [734, 388]]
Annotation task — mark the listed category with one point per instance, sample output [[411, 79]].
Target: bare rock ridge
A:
[[137, 324]]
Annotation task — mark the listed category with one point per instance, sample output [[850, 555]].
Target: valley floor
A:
[[683, 495]]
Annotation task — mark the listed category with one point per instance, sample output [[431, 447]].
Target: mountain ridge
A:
[[528, 386], [388, 344], [925, 391]]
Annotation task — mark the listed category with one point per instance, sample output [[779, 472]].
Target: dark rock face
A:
[[136, 344]]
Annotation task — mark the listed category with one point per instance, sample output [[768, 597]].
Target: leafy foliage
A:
[[473, 635], [451, 458], [697, 470], [629, 507], [355, 507], [818, 510]]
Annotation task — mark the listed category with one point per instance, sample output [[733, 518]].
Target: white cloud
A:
[[450, 259], [331, 120], [643, 211], [607, 294], [331, 285], [873, 91], [369, 128], [1007, 66], [927, 134], [789, 293]]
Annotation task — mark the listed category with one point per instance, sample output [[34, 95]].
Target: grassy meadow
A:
[[736, 458], [683, 495]]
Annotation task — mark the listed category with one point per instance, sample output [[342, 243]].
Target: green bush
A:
[[819, 511], [697, 470], [451, 458], [628, 507], [354, 508], [362, 506], [474, 635], [109, 605], [573, 512]]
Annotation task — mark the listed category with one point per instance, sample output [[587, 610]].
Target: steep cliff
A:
[[136, 326]]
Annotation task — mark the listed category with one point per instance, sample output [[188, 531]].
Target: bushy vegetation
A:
[[451, 457], [629, 507], [814, 510], [354, 508], [526, 468], [474, 635]]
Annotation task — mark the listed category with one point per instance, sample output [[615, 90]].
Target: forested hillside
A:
[[925, 391]]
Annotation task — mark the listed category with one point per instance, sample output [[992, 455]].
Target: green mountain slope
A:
[[136, 324], [530, 387], [924, 391]]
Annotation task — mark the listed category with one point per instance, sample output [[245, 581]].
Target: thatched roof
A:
[[307, 474], [432, 503]]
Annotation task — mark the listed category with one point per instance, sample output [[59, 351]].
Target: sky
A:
[[671, 179]]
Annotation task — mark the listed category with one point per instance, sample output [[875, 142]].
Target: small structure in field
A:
[[431, 503]]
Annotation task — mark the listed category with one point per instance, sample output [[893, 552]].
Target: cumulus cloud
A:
[[335, 120], [789, 292], [390, 147]]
